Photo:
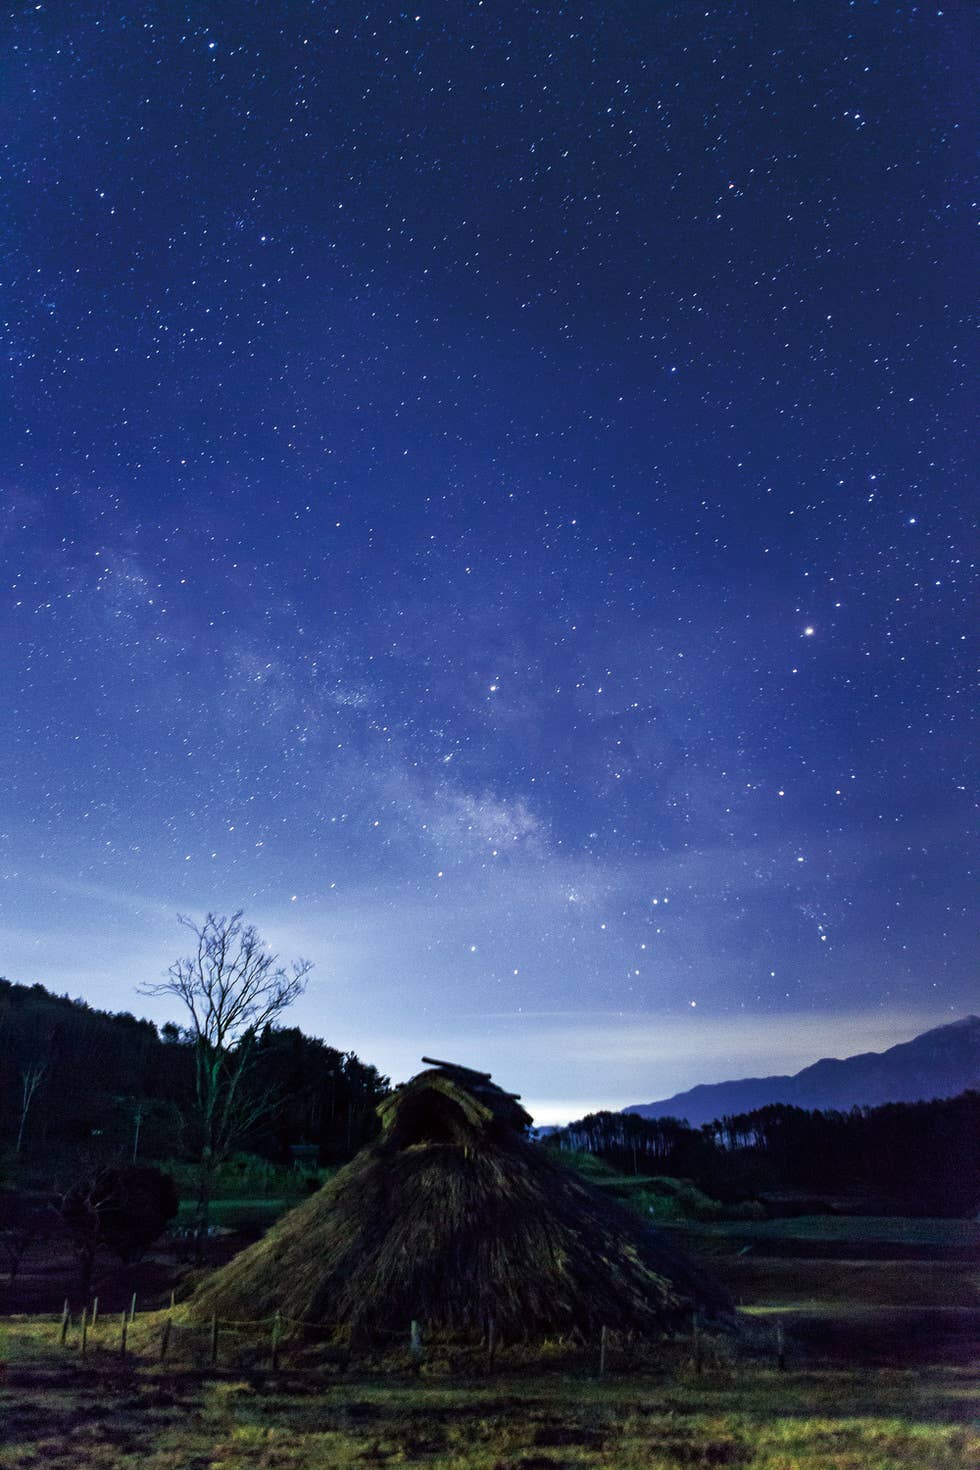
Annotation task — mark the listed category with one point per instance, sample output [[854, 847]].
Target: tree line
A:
[[80, 1083], [917, 1158]]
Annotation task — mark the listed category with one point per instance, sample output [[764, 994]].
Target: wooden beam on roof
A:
[[455, 1067]]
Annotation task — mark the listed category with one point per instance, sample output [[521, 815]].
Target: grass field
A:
[[59, 1412], [882, 1373], [241, 1214], [855, 1231]]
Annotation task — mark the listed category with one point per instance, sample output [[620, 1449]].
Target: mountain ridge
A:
[[940, 1062]]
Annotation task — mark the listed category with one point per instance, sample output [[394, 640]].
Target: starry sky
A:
[[484, 489]]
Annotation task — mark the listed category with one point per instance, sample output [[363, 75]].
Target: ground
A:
[[881, 1372], [60, 1413]]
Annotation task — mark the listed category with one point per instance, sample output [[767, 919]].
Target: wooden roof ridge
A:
[[456, 1067], [470, 1072]]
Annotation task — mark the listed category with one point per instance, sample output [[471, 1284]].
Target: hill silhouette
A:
[[939, 1063], [73, 1078]]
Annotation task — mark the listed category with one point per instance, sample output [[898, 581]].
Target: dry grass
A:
[[456, 1236], [787, 1282], [58, 1412], [850, 1400]]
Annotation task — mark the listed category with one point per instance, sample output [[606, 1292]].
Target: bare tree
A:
[[139, 1113], [122, 1210], [233, 986], [32, 1074]]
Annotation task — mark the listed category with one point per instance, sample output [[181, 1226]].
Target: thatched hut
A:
[[454, 1217]]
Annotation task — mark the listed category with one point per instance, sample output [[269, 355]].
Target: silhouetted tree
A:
[[124, 1210], [31, 1076], [920, 1158], [233, 987]]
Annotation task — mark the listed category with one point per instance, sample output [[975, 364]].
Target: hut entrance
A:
[[431, 1117]]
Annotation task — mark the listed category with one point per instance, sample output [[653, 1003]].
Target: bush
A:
[[748, 1209], [124, 1209]]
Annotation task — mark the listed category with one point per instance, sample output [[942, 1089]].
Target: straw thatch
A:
[[454, 1218]]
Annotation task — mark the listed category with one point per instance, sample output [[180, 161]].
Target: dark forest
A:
[[908, 1158], [82, 1087]]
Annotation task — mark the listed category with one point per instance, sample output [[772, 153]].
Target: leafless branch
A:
[[233, 987]]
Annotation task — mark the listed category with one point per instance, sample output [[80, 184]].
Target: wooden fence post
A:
[[84, 1331], [165, 1339], [415, 1345], [780, 1345], [276, 1330], [603, 1342], [95, 1310], [214, 1340], [697, 1344], [491, 1343], [132, 1309], [125, 1329], [65, 1319]]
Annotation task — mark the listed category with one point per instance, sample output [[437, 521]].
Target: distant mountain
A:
[[939, 1063]]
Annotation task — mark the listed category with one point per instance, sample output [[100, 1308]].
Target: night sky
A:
[[485, 490]]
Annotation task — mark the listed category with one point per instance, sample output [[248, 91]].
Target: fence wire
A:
[[269, 1334]]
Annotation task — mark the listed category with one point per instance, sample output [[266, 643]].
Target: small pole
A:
[[125, 1329], [132, 1309], [172, 1295], [780, 1345], [95, 1310], [276, 1330], [84, 1331], [65, 1319], [697, 1344], [415, 1345], [603, 1343], [165, 1339], [214, 1340], [491, 1343]]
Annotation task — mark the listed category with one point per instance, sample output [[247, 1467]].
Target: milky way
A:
[[485, 490]]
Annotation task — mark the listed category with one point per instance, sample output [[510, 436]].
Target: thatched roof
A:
[[450, 1103], [454, 1217]]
